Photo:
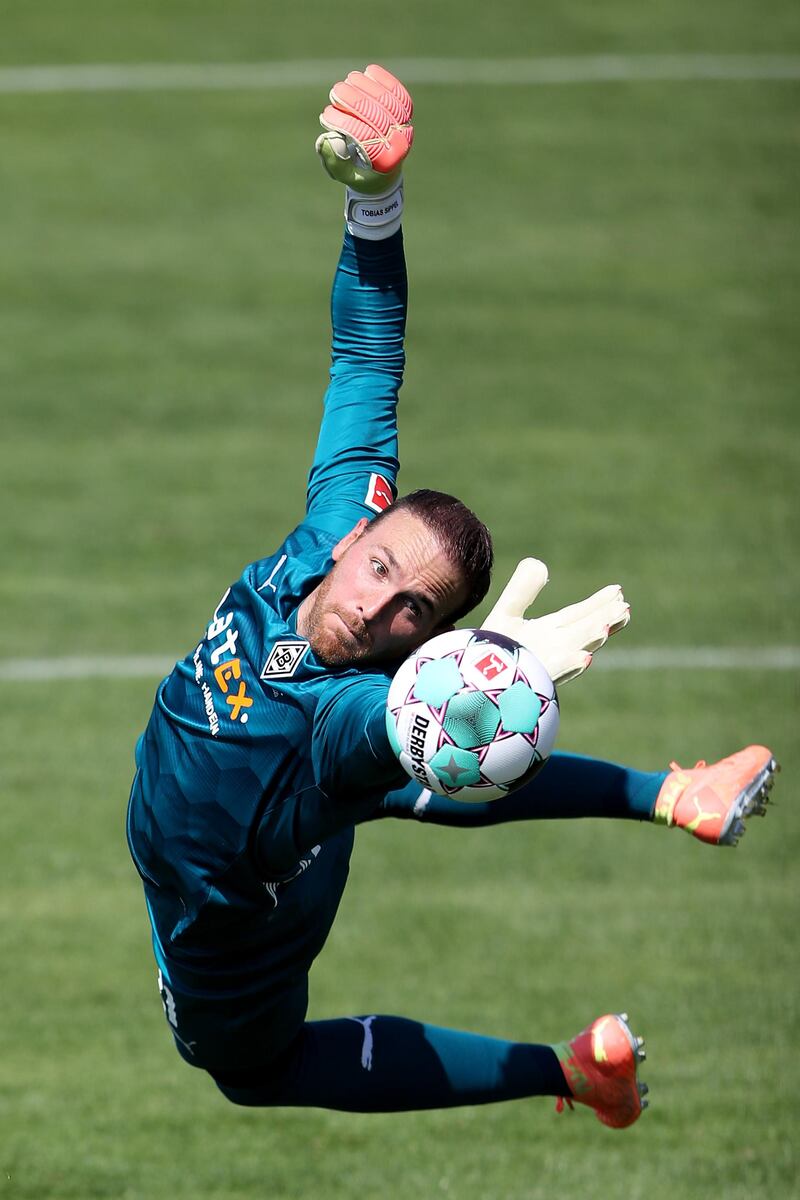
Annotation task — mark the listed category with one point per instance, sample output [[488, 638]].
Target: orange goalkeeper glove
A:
[[368, 133]]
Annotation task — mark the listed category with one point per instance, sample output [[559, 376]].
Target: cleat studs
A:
[[645, 1104], [641, 1054], [623, 1017], [643, 1089]]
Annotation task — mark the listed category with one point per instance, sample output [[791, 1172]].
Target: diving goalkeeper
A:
[[267, 746]]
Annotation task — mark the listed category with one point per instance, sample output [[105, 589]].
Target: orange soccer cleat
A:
[[600, 1066], [712, 802]]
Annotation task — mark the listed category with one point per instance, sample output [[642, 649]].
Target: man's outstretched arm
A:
[[355, 466]]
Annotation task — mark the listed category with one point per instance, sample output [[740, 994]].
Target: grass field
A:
[[603, 360]]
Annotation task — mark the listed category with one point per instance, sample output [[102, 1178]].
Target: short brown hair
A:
[[462, 536]]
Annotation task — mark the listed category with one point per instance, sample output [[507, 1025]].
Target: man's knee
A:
[[264, 1086], [261, 1096]]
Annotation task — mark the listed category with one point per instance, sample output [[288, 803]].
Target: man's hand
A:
[[368, 133], [563, 641]]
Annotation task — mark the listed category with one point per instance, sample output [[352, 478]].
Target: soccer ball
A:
[[471, 714]]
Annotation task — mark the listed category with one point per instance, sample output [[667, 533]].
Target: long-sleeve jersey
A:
[[258, 761]]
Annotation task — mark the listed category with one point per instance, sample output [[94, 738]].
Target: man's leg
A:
[[390, 1064], [569, 786], [710, 801]]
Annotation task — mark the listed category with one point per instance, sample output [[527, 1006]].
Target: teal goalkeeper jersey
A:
[[258, 761]]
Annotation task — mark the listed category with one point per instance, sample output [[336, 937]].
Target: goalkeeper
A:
[[267, 745]]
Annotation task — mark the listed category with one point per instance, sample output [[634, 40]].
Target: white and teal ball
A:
[[472, 714]]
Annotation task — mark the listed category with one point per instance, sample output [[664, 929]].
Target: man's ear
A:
[[346, 542]]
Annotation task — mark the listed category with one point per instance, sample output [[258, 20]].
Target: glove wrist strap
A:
[[374, 217]]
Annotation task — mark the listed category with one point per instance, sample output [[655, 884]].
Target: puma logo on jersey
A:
[[268, 582]]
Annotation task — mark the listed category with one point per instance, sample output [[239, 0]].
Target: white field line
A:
[[644, 658], [606, 68]]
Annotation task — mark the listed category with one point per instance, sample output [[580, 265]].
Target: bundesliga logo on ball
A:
[[472, 714]]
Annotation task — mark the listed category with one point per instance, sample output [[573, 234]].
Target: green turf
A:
[[603, 360]]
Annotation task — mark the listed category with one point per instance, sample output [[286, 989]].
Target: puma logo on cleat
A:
[[598, 1047], [701, 814]]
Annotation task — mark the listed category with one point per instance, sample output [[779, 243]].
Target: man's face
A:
[[390, 589]]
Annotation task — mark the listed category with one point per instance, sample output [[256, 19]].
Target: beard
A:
[[336, 640]]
